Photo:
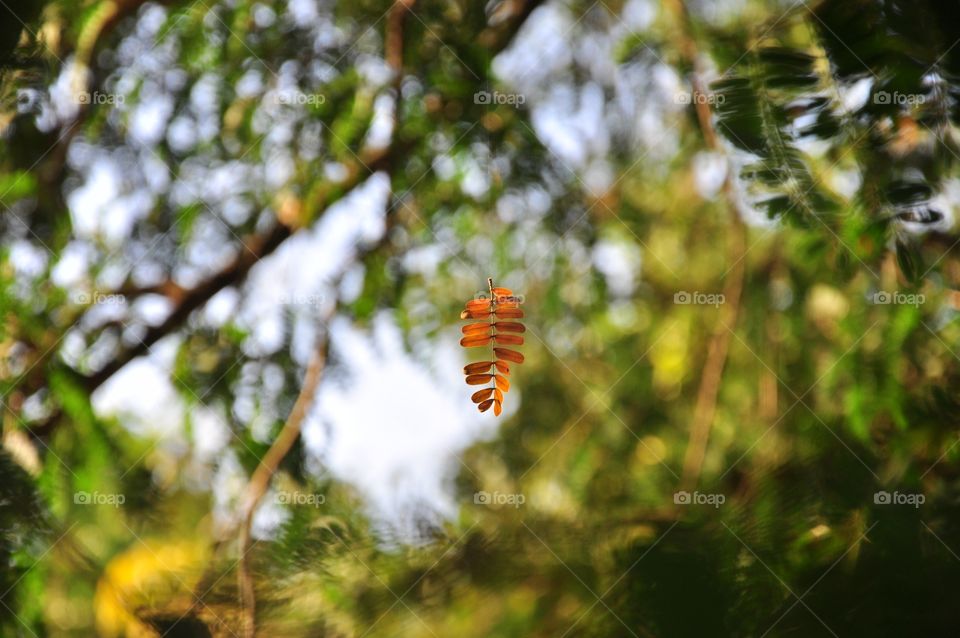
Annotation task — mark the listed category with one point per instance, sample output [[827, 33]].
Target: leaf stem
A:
[[493, 341], [719, 346]]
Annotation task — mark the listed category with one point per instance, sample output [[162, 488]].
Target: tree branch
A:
[[393, 39], [706, 406], [497, 36], [260, 481], [254, 249]]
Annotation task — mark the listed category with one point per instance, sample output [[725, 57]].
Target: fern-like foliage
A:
[[499, 325], [877, 85], [906, 46], [906, 49], [769, 102]]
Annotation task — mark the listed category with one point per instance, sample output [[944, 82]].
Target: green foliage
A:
[[838, 386], [23, 522]]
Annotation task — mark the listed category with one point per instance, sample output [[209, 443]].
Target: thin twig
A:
[[260, 480], [706, 406], [393, 40]]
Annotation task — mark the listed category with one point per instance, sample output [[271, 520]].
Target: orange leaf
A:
[[475, 314], [488, 328], [475, 340], [476, 368], [475, 328], [482, 395], [508, 354], [507, 326], [478, 304]]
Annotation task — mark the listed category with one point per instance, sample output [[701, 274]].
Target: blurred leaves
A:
[[595, 198]]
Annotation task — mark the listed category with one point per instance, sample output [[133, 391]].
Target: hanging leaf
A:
[[481, 395], [476, 328], [509, 355], [509, 326], [472, 342], [500, 304], [477, 368]]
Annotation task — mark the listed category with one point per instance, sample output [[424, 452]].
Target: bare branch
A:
[[260, 480], [719, 347]]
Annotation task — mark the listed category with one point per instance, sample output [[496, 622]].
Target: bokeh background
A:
[[237, 236]]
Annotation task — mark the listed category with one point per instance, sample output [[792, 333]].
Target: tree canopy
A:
[[237, 237]]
